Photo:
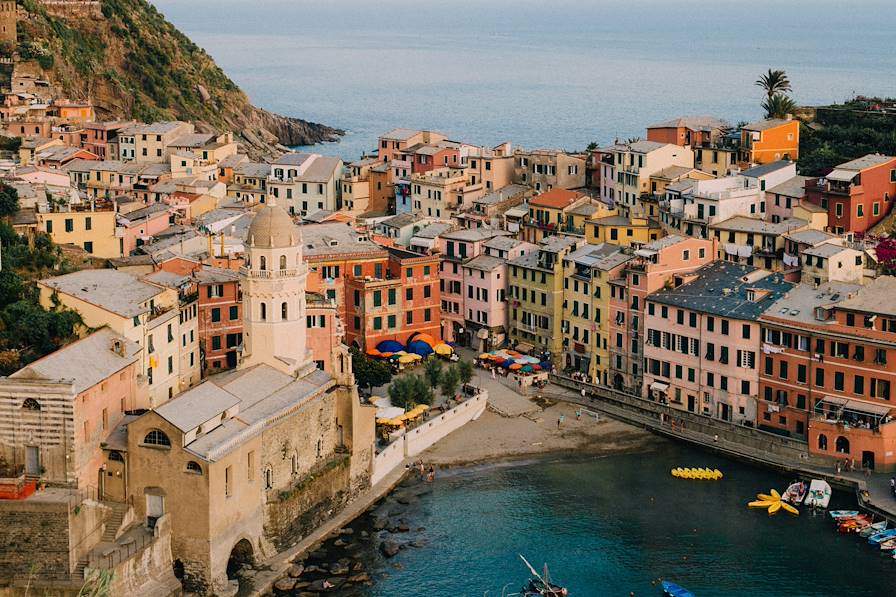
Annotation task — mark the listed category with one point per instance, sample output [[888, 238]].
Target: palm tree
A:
[[778, 106], [774, 82]]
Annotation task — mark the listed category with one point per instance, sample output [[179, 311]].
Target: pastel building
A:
[[637, 162], [658, 264], [547, 169], [828, 372], [857, 194], [702, 340], [455, 249]]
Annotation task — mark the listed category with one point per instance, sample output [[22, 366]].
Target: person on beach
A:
[[432, 474], [579, 412]]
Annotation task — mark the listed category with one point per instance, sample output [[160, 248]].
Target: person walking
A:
[[893, 486], [578, 414]]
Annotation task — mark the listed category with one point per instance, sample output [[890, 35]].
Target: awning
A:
[[659, 386], [524, 347], [857, 406], [842, 175]]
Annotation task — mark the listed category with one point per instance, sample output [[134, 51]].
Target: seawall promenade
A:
[[736, 441]]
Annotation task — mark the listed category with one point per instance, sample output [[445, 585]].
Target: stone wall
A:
[[292, 515], [150, 571], [426, 434], [34, 539]]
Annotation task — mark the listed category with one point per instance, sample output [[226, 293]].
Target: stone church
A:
[[252, 460]]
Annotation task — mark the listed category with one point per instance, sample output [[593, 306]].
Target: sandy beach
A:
[[495, 437]]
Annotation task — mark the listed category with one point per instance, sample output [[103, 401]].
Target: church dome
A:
[[272, 228]]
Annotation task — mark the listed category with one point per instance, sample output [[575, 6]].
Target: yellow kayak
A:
[[702, 474], [765, 497], [790, 509], [759, 504], [775, 494], [718, 473], [774, 507]]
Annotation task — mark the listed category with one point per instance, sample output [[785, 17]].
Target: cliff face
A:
[[132, 63]]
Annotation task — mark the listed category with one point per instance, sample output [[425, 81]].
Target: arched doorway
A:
[[868, 460], [112, 477], [822, 442], [241, 554], [842, 445], [617, 381]]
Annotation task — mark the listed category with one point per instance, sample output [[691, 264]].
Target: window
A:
[[427, 291], [801, 374], [377, 298], [284, 311], [193, 467], [88, 246], [377, 323], [156, 438], [838, 381], [31, 404], [858, 385], [819, 378], [228, 481], [710, 324], [234, 313], [216, 342], [69, 225], [263, 263], [250, 465], [88, 223], [745, 331], [725, 327], [264, 311], [390, 322], [216, 315]]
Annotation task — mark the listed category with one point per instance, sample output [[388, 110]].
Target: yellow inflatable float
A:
[[772, 503], [697, 474]]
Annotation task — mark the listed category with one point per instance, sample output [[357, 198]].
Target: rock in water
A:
[[296, 570], [389, 548]]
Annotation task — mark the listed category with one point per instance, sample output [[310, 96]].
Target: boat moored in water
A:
[[838, 514], [670, 589], [540, 585], [819, 495], [873, 528], [881, 537], [795, 492]]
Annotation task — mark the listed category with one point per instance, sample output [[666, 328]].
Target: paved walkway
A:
[[264, 580]]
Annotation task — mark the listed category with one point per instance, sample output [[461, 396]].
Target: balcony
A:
[[264, 273]]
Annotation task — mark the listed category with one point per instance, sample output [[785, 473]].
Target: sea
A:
[[541, 74], [616, 526]]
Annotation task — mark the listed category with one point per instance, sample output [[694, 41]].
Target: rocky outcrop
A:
[[132, 63]]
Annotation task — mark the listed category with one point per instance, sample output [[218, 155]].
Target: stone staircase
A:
[[78, 572], [113, 524]]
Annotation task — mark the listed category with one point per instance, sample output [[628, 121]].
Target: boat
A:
[[881, 537], [855, 524], [838, 514], [819, 494], [670, 589], [888, 545], [540, 585], [795, 493], [873, 528]]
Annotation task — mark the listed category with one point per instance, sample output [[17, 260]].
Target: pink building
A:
[[325, 329], [456, 249], [656, 264], [141, 224], [702, 340]]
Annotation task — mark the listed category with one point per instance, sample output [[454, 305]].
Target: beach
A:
[[495, 437]]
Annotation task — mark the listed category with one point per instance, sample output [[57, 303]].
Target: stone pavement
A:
[[501, 398]]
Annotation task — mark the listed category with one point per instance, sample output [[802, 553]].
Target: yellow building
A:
[[438, 193], [637, 162], [535, 291], [94, 231], [755, 242], [618, 230], [588, 272], [144, 313]]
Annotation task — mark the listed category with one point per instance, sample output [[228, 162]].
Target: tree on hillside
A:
[[369, 372], [778, 106], [407, 392], [774, 82], [449, 382], [433, 372], [9, 200], [465, 371]]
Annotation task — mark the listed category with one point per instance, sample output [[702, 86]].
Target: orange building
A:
[[693, 131], [768, 141], [828, 368]]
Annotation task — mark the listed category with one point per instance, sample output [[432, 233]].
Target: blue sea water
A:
[[615, 525], [561, 73]]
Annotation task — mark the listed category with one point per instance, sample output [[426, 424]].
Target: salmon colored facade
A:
[[857, 194], [828, 378]]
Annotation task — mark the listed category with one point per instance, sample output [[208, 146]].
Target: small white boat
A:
[[819, 494], [795, 493], [888, 545], [873, 529]]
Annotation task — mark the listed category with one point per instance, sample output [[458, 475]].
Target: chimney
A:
[[118, 347]]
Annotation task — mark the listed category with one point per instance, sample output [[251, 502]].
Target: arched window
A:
[[842, 445], [264, 312], [31, 404], [115, 456], [283, 262], [284, 312], [157, 438], [822, 441], [268, 477], [263, 263], [193, 467]]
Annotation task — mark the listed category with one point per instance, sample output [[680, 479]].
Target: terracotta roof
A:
[[556, 199]]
